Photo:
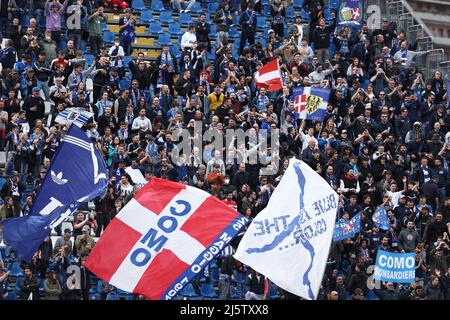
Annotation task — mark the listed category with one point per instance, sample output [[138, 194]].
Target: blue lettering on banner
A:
[[395, 267], [154, 241], [302, 227], [222, 240]]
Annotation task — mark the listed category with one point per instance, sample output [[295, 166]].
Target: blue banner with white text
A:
[[395, 267]]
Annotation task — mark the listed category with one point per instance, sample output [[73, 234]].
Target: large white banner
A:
[[290, 239]]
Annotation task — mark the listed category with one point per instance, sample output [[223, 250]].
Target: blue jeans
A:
[[76, 37], [183, 5], [44, 86]]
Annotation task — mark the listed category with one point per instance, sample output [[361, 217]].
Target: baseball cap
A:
[[36, 89], [85, 228], [270, 30], [43, 170], [14, 173], [67, 230]]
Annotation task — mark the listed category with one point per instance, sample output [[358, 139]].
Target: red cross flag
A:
[[269, 76], [162, 238]]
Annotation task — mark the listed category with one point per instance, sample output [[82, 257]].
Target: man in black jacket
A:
[[34, 107], [42, 71], [29, 285], [248, 23], [202, 31], [321, 39], [8, 55]]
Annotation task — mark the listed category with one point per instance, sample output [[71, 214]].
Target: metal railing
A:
[[415, 32], [444, 67]]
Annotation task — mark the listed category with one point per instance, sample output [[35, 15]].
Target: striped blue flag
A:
[[77, 116]]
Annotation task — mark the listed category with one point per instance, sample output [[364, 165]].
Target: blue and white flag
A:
[[395, 267], [77, 174], [381, 219], [347, 229], [310, 103], [351, 14], [76, 116], [290, 239]]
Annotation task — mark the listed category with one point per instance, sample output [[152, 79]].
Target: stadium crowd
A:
[[385, 139]]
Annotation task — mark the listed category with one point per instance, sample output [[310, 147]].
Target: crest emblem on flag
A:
[[313, 103], [351, 13]]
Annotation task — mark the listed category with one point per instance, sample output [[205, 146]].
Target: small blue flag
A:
[[77, 174], [380, 218], [347, 229], [76, 115]]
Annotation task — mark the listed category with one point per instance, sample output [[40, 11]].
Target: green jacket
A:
[[52, 291], [95, 24]]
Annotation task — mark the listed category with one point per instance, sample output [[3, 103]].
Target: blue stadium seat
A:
[[124, 84], [305, 16], [25, 21], [112, 296], [94, 297], [126, 61], [99, 285], [188, 291], [234, 293], [12, 295], [175, 50], [17, 286], [261, 22], [333, 4], [185, 18], [213, 31], [89, 59], [211, 55], [197, 8], [371, 296], [157, 5], [207, 291], [108, 37], [146, 16], [298, 4], [155, 28], [234, 33], [163, 39], [215, 275], [290, 13], [208, 19], [16, 270], [273, 291], [166, 17], [213, 7], [2, 182], [138, 5], [175, 29]]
